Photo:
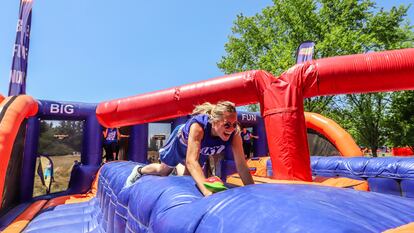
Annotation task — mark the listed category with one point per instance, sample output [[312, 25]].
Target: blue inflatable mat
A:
[[174, 204]]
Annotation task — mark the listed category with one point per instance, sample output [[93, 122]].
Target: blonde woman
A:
[[209, 131]]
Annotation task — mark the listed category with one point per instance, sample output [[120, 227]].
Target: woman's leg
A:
[[151, 169], [113, 150], [160, 169], [108, 152], [248, 149], [245, 149]]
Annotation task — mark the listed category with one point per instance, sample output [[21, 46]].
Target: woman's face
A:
[[226, 126]]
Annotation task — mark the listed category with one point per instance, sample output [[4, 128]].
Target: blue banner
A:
[[18, 72], [305, 52]]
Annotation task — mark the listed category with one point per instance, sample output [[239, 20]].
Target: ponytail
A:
[[205, 108], [214, 111]]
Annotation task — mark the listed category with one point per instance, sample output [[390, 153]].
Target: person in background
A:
[[247, 143], [111, 143], [48, 171], [209, 131]]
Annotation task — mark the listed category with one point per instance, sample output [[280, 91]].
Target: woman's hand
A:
[[207, 193]]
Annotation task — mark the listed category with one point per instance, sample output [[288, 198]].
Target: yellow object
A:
[[340, 182], [259, 164], [407, 228]]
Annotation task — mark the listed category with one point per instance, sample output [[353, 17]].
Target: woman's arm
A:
[[253, 136], [120, 135], [242, 169], [193, 153]]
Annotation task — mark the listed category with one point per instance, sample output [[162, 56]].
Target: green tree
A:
[[365, 118], [268, 41], [401, 119], [73, 132], [60, 138], [46, 137]]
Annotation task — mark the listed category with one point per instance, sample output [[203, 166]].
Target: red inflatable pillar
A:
[[282, 109]]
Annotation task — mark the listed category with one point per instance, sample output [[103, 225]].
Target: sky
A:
[[92, 51]]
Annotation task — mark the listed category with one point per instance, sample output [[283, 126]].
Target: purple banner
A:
[[305, 52], [18, 72]]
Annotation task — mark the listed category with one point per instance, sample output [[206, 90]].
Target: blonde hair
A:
[[215, 111]]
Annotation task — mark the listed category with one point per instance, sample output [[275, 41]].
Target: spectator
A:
[[247, 143], [111, 143]]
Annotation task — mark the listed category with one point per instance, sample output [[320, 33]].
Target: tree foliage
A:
[[268, 41], [60, 138], [400, 124], [365, 118]]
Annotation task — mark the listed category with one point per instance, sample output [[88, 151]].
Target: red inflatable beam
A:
[[363, 73], [281, 99], [239, 88]]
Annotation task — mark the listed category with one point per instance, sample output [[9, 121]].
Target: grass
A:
[[62, 166]]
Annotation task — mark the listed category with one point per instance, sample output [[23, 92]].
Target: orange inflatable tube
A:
[[14, 110], [24, 218], [341, 139]]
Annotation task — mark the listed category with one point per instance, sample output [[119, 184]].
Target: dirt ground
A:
[[153, 156]]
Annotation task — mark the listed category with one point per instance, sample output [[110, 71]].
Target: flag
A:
[[305, 52], [18, 72]]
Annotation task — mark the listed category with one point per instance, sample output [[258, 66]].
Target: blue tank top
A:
[[210, 145], [111, 135], [246, 136]]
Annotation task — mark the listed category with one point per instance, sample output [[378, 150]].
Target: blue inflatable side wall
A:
[[91, 154], [390, 175]]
